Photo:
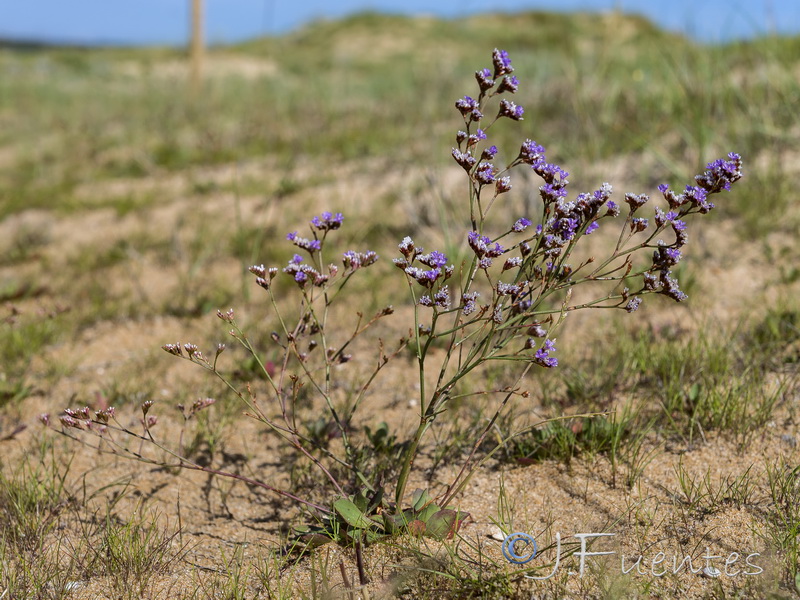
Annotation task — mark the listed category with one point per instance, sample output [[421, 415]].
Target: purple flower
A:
[[669, 287], [509, 84], [664, 257], [674, 254], [521, 225], [593, 226], [355, 260], [482, 245], [636, 201], [466, 105], [603, 194], [552, 174], [489, 153], [407, 248], [300, 277], [465, 159], [424, 278], [633, 304], [305, 244], [484, 78], [485, 173], [507, 289], [531, 153], [697, 196], [551, 192], [721, 174], [638, 225], [512, 263], [434, 259], [468, 305], [502, 185], [502, 63], [476, 137], [328, 222], [613, 208], [566, 228], [543, 357], [442, 298], [536, 330], [510, 110]]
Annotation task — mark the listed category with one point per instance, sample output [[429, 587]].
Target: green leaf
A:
[[352, 514], [360, 500], [444, 523], [419, 499], [375, 501], [427, 512], [694, 392], [393, 523]]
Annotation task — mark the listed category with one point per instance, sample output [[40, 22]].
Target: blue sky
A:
[[144, 22]]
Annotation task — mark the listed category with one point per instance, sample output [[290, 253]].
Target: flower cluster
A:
[[304, 243], [328, 221], [490, 83], [538, 263], [304, 273], [355, 260], [437, 272]]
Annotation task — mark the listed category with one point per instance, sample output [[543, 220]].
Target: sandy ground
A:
[[120, 358]]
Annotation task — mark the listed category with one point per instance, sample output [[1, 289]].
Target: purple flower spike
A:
[[531, 152], [633, 304], [484, 78], [310, 245], [434, 259], [503, 185], [502, 63], [489, 153], [328, 221], [636, 201], [509, 84], [510, 110], [468, 305], [521, 225], [465, 159], [466, 105], [355, 260], [484, 174], [543, 357]]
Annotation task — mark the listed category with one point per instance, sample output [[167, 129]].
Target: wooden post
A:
[[196, 46]]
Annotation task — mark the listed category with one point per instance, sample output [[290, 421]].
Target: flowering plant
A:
[[503, 303]]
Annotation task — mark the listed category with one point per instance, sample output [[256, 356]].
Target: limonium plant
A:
[[502, 303]]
